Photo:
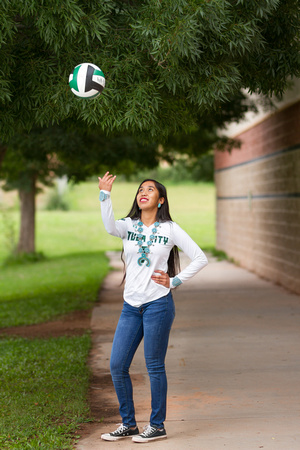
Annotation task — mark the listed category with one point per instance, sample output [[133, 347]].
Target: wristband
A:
[[103, 196], [175, 282]]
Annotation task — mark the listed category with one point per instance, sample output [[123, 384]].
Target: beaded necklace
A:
[[144, 250]]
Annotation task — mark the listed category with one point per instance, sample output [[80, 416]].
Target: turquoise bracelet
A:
[[176, 282], [103, 196]]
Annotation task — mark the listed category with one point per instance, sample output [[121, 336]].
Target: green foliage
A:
[[219, 254], [203, 168], [166, 63], [174, 74], [57, 201], [182, 170], [45, 153], [44, 386]]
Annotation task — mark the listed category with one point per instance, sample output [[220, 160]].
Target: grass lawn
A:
[[43, 392], [37, 292], [44, 381]]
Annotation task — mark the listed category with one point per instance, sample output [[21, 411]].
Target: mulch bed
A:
[[73, 324]]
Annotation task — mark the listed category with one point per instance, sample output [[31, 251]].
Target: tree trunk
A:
[[2, 153], [27, 229]]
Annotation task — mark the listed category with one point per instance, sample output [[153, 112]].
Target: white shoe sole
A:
[[108, 437], [140, 440]]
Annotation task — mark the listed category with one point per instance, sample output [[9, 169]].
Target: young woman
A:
[[150, 245]]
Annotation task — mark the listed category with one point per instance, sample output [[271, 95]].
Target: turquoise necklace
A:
[[144, 250]]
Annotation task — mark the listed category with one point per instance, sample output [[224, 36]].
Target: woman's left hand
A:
[[161, 278]]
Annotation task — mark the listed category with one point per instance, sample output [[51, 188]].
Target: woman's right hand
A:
[[106, 182]]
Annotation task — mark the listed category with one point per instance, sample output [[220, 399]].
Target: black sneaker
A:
[[151, 433], [123, 431]]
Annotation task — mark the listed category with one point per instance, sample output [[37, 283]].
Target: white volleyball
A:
[[87, 80]]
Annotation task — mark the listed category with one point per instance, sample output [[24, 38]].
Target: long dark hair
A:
[[162, 215]]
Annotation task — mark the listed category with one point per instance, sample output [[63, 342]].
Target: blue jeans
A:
[[152, 321]]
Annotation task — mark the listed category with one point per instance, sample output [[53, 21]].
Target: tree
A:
[[166, 62], [171, 67], [74, 150], [34, 159]]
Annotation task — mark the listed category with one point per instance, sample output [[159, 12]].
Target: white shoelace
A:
[[121, 428], [148, 430]]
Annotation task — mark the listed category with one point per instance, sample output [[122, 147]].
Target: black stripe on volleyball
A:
[[89, 83]]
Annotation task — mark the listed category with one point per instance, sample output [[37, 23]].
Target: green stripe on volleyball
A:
[[87, 80]]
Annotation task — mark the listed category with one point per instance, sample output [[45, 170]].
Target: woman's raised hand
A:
[[106, 182]]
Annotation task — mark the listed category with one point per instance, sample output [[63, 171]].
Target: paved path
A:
[[233, 365]]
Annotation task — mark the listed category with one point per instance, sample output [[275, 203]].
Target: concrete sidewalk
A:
[[233, 364]]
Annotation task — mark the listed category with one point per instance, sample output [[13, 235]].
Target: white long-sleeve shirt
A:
[[139, 287]]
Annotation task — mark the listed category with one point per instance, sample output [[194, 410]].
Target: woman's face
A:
[[148, 196]]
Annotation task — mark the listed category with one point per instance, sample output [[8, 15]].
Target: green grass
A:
[[43, 392], [37, 292]]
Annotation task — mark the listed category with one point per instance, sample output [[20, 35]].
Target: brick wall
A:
[[258, 199]]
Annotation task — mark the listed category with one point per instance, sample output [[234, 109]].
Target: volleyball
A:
[[87, 80]]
